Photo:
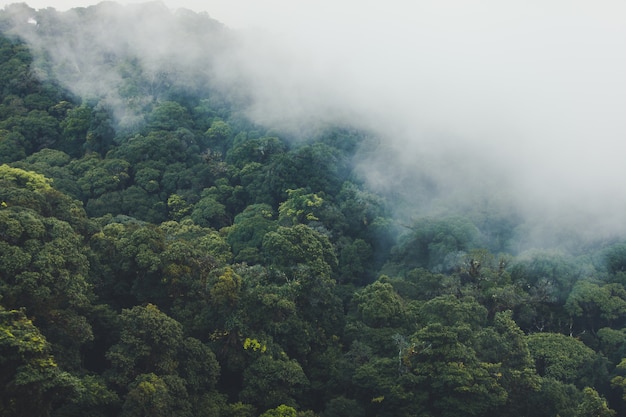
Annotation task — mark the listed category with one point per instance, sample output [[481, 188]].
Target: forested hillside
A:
[[163, 255]]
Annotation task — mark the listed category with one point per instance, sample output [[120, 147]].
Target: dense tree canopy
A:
[[175, 258]]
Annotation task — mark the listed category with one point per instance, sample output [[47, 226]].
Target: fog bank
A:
[[519, 106], [514, 107]]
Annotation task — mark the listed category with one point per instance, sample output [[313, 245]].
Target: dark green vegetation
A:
[[195, 264]]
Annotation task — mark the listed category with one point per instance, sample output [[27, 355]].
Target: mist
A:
[[477, 106], [511, 106]]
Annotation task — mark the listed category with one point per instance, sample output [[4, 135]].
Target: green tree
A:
[[299, 208], [554, 398], [169, 115], [148, 179], [225, 291], [593, 303], [280, 411], [219, 135], [209, 212], [449, 372], [151, 395], [615, 258], [197, 366], [248, 230], [44, 268], [434, 243], [139, 262], [12, 146], [32, 382], [612, 343], [255, 150], [619, 381], [269, 382], [384, 390], [450, 311], [74, 129], [565, 359], [160, 145], [343, 407], [106, 175], [593, 405], [505, 343], [38, 128], [356, 263], [149, 342], [307, 259], [178, 208], [290, 247], [378, 305]]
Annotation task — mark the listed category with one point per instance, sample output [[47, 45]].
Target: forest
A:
[[163, 255]]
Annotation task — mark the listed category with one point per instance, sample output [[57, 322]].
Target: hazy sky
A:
[[234, 13], [483, 94]]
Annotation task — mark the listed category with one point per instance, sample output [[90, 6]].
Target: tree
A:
[[506, 344], [593, 405], [219, 134], [615, 258], [434, 243], [591, 303], [356, 261], [225, 291], [343, 407], [149, 343], [107, 175], [450, 311], [254, 150], [360, 209], [384, 390], [38, 128], [299, 208], [148, 179], [319, 167], [269, 382], [290, 247], [168, 115], [307, 258], [249, 228], [565, 359], [12, 146], [31, 379], [160, 145], [151, 395], [619, 381], [558, 270], [197, 367], [44, 268], [280, 411], [612, 343], [209, 212], [378, 305], [15, 177], [448, 370], [75, 127], [554, 398]]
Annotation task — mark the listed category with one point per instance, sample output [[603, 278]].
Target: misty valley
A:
[[171, 244]]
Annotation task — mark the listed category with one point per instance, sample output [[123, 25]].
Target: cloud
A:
[[476, 103], [485, 98]]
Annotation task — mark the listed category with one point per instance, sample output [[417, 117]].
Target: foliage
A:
[[564, 358], [31, 378], [161, 254]]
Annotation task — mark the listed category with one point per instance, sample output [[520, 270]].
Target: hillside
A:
[[165, 253]]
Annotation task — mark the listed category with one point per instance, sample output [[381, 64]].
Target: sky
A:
[[485, 97], [234, 13]]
